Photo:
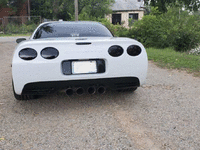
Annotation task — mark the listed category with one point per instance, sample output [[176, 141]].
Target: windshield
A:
[[70, 29]]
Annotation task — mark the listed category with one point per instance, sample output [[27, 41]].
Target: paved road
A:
[[163, 114]]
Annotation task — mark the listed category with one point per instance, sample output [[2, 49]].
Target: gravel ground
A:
[[163, 114]]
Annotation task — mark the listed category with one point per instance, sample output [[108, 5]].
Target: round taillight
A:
[[115, 51], [49, 53], [28, 54], [134, 50]]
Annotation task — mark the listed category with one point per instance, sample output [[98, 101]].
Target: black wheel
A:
[[127, 90], [24, 96]]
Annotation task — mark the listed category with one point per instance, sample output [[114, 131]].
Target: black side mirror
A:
[[20, 40]]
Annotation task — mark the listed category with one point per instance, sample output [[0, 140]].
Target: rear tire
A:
[[23, 96]]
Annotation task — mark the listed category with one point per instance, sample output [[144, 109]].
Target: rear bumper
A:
[[51, 86]]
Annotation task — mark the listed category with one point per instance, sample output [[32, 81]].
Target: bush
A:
[[1, 28], [14, 28], [175, 28], [149, 31], [116, 30], [11, 28], [33, 20]]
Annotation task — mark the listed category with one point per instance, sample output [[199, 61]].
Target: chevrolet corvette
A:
[[77, 57]]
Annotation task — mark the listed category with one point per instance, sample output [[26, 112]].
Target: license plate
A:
[[81, 67]]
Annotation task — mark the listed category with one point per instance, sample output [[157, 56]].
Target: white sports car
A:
[[77, 57]]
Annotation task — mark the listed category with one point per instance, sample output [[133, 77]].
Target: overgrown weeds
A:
[[20, 29], [175, 60], [176, 28]]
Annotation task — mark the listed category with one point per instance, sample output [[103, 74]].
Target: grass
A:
[[14, 35], [169, 58]]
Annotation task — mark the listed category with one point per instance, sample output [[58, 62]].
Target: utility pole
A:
[[29, 11], [76, 10]]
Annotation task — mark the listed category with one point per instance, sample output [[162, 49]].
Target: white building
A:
[[125, 9]]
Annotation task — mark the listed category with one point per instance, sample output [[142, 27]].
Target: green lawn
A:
[[14, 35], [169, 58]]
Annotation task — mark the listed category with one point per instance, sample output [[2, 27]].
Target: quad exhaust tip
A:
[[69, 91], [101, 90], [91, 90], [79, 90]]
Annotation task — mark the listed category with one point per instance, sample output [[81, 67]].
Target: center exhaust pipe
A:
[[79, 90], [91, 90], [69, 91], [101, 90]]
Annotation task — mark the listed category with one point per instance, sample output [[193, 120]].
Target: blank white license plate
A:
[[81, 67]]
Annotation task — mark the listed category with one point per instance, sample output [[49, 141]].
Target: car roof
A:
[[72, 22]]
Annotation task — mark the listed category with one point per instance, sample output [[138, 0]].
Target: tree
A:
[[64, 9], [16, 5], [95, 8], [52, 9], [3, 3], [162, 4]]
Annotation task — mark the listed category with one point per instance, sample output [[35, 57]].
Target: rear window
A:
[[52, 30]]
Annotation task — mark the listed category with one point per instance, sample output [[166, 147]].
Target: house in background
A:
[[123, 10], [6, 13]]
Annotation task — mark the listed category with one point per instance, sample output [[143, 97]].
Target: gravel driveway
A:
[[163, 114]]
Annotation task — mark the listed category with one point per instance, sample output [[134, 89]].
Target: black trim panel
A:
[[51, 86], [83, 43]]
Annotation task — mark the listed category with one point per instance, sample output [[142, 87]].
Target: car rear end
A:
[[47, 73], [77, 57]]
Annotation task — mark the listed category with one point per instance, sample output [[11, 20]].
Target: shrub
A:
[[175, 28], [11, 28], [34, 20], [184, 33], [149, 31], [116, 30], [14, 28], [1, 28]]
